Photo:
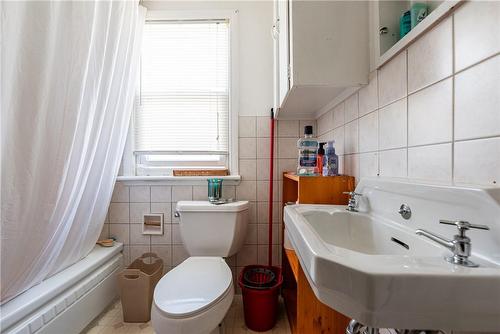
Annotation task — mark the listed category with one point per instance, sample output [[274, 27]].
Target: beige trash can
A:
[[137, 283]]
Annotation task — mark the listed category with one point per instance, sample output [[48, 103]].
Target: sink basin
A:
[[338, 228], [371, 266]]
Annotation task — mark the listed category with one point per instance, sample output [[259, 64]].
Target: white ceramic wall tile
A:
[[247, 126], [351, 165], [179, 254], [165, 238], [140, 194], [477, 100], [251, 235], [119, 213], [120, 193], [164, 252], [288, 128], [392, 83], [338, 136], [368, 96], [227, 191], [263, 234], [368, 164], [246, 190], [263, 191], [137, 212], [476, 32], [263, 255], [247, 148], [200, 193], [352, 107], [136, 236], [351, 137], [393, 163], [164, 208], [327, 136], [161, 193], [430, 114], [263, 169], [286, 165], [182, 193], [338, 115], [263, 147], [248, 169], [247, 255], [368, 132], [341, 165], [263, 127], [325, 123], [287, 148], [430, 162], [430, 58], [137, 250], [263, 212], [478, 161], [393, 125], [104, 232], [176, 234], [121, 232]]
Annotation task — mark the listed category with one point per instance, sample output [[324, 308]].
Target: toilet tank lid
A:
[[202, 206]]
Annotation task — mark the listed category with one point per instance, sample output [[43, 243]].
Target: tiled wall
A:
[[129, 203], [432, 112]]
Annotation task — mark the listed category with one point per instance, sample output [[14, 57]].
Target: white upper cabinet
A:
[[321, 49]]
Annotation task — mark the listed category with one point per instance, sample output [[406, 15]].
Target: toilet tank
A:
[[213, 230]]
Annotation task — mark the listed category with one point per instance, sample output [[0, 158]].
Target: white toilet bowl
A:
[[194, 297]]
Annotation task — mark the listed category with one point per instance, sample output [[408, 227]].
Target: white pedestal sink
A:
[[371, 266]]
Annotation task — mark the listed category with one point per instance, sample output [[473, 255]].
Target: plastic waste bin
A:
[[137, 283], [260, 288]]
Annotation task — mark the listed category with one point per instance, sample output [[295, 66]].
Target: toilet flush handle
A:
[[177, 214]]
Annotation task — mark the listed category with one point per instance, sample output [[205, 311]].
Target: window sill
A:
[[230, 180]]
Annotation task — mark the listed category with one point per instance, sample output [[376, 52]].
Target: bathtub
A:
[[68, 301]]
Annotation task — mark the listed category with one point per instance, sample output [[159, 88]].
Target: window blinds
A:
[[183, 103]]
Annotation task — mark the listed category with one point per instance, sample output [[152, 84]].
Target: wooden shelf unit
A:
[[306, 314]]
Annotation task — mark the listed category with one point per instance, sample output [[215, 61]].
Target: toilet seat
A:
[[192, 287]]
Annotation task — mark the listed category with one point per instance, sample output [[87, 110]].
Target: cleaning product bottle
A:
[[319, 159], [418, 12], [308, 151], [330, 160]]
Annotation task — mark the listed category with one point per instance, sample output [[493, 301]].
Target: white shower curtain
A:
[[67, 90]]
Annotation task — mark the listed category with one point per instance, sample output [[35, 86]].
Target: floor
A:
[[111, 322]]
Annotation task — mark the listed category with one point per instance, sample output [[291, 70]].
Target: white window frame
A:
[[129, 159]]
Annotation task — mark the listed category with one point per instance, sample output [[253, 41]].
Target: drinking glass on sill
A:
[[214, 190]]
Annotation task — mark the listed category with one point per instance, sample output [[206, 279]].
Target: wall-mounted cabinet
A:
[[387, 32], [321, 48]]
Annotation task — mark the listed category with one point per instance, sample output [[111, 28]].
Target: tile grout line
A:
[[407, 117], [453, 98]]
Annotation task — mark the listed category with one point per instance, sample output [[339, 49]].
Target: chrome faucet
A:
[[460, 245], [353, 203]]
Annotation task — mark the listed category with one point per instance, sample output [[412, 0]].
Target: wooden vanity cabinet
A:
[[306, 314]]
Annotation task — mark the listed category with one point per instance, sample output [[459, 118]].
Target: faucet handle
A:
[[463, 225]]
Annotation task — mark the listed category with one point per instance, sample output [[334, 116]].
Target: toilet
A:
[[194, 297]]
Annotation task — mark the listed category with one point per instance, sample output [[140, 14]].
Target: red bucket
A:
[[260, 288]]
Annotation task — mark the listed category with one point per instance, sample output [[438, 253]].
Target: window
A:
[[183, 110]]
